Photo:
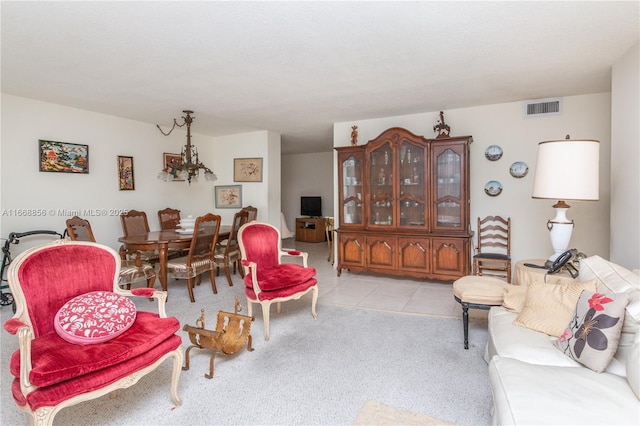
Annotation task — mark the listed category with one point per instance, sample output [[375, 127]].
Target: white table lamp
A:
[[566, 169]]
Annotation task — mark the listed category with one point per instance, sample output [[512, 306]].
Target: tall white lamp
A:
[[566, 169]]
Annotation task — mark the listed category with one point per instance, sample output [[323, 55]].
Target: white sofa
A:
[[535, 383]]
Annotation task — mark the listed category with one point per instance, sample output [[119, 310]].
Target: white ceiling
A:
[[297, 67]]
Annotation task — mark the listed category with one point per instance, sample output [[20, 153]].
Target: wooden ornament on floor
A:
[[227, 339]]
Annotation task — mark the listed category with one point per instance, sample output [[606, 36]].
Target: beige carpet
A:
[[376, 413]]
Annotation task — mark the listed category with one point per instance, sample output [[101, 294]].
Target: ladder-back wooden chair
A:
[[493, 255]]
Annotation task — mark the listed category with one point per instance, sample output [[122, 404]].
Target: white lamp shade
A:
[[567, 169]]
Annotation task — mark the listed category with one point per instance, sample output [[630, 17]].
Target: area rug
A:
[[311, 372], [374, 413]]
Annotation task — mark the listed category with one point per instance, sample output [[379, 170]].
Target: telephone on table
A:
[[564, 260]]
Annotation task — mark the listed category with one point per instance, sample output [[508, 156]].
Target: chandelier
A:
[[188, 166]]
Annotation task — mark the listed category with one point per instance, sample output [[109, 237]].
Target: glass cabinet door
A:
[[351, 181], [412, 185], [448, 188], [381, 204]]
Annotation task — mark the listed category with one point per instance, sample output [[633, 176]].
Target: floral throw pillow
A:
[[594, 331], [94, 317]]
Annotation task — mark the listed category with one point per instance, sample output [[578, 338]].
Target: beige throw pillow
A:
[[549, 307], [513, 297]]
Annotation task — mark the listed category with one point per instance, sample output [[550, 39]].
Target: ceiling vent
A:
[[542, 107]]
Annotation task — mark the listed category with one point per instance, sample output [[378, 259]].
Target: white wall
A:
[[262, 144], [306, 174], [504, 125], [24, 121], [625, 158]]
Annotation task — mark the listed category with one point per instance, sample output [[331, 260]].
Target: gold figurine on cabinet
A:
[[354, 135], [231, 334]]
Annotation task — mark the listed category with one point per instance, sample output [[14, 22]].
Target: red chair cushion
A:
[[94, 317], [281, 293], [55, 360], [53, 395], [281, 276]]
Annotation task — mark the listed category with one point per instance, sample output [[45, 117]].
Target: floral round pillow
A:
[[94, 317]]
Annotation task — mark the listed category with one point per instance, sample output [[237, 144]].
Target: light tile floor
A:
[[379, 292]]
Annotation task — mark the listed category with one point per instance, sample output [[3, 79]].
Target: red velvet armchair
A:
[[266, 279], [50, 372]]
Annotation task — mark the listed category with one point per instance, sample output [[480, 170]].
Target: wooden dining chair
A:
[[134, 222], [169, 218], [130, 270], [329, 230], [493, 256], [201, 252], [253, 213], [229, 253]]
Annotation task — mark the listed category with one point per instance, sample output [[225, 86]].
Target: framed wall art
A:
[[228, 196], [168, 165], [247, 169], [63, 157], [125, 173]]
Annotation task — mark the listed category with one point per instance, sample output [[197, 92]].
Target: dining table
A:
[[162, 241]]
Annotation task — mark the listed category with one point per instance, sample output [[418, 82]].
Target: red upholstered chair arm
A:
[[25, 336], [159, 295], [296, 253], [13, 325], [253, 272]]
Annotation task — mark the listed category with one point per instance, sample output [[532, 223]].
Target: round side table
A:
[[525, 275]]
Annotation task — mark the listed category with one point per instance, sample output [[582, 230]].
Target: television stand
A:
[[310, 230]]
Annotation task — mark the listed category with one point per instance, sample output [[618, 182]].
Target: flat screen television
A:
[[311, 206]]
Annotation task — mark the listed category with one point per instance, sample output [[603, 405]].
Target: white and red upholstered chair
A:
[[266, 279], [69, 349]]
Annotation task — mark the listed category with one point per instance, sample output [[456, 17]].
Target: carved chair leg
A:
[[227, 271], [465, 323], [190, 288], [314, 299], [178, 354], [265, 318], [213, 281]]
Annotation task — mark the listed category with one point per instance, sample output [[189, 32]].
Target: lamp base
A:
[[560, 229]]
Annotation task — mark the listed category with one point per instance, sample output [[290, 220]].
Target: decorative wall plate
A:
[[519, 169], [493, 153], [493, 188]]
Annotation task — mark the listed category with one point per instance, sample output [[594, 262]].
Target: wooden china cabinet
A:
[[404, 206]]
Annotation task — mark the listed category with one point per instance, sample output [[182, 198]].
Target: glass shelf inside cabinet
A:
[[448, 174], [411, 213], [449, 214], [353, 212], [351, 172]]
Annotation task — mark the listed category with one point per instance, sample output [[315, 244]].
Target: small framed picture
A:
[[63, 157], [169, 162], [247, 169], [228, 196], [125, 173]]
